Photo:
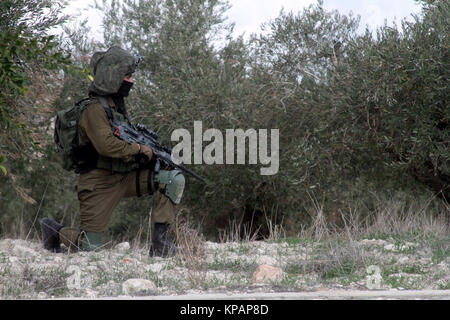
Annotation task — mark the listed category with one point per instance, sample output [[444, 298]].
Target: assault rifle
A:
[[143, 135]]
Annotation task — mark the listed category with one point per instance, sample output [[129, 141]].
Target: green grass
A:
[[377, 236], [242, 249], [294, 268], [389, 269], [444, 286], [102, 278], [345, 269], [3, 257], [289, 282], [440, 249], [413, 269], [396, 282], [350, 279], [235, 265]]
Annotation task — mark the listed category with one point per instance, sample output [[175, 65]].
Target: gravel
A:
[[221, 270]]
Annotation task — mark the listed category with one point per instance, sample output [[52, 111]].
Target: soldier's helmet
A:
[[109, 69]]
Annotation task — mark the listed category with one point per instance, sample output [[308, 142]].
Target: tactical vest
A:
[[115, 165]]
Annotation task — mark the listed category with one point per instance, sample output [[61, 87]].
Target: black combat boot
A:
[[50, 234], [161, 246]]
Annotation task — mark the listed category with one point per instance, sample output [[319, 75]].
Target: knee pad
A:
[[174, 182]]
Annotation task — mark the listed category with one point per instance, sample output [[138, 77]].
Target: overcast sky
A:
[[248, 15]]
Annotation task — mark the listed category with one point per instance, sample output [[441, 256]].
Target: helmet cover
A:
[[109, 69]]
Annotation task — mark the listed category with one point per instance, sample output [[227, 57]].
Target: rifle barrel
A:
[[147, 137]]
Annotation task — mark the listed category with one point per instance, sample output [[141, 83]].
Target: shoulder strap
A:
[[106, 107], [82, 100], [108, 111]]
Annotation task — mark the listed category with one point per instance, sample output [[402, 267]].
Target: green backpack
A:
[[66, 135]]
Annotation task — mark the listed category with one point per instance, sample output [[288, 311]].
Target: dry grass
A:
[[321, 254], [391, 218], [192, 250], [237, 231]]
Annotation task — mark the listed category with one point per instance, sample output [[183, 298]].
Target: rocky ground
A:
[[27, 271]]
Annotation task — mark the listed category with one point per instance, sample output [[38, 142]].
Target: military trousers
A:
[[99, 193]]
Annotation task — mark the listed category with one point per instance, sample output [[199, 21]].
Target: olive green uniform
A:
[[114, 177]]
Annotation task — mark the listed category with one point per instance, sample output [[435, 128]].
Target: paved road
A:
[[317, 295]]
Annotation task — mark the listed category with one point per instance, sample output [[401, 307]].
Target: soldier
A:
[[108, 174]]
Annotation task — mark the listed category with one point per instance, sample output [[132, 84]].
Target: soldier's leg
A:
[[165, 210], [168, 183], [54, 233], [99, 193], [170, 187], [50, 234], [71, 238]]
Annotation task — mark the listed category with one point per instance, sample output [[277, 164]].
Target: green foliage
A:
[[25, 47], [353, 111], [302, 47], [185, 77], [363, 118], [2, 167], [29, 56], [24, 43], [394, 92]]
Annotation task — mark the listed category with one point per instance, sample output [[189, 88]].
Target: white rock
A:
[[156, 267], [376, 242], [123, 246], [20, 242], [444, 266], [136, 286], [212, 245], [5, 245], [266, 260], [90, 294], [389, 247], [424, 261], [411, 245], [42, 295], [91, 268], [16, 268], [102, 265], [260, 250], [24, 252], [403, 260], [58, 260]]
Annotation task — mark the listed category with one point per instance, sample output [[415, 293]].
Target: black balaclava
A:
[[123, 91], [125, 88]]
